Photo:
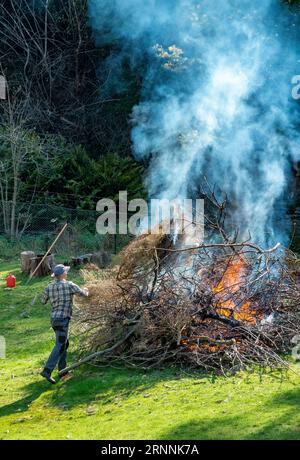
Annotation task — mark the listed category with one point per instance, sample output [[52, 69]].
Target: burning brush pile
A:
[[223, 305]]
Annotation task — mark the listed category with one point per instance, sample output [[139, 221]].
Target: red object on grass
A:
[[11, 281]]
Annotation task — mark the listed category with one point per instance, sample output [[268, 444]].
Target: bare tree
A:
[[18, 145]]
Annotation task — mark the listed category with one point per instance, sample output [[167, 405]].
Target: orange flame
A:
[[230, 284]]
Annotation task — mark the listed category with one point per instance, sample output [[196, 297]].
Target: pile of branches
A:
[[223, 305]]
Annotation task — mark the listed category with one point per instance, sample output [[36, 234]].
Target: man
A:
[[60, 293]]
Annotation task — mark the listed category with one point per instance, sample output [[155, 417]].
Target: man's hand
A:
[[86, 292]]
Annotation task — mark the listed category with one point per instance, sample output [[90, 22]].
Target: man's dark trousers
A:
[[58, 355]]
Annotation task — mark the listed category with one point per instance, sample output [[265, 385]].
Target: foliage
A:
[[21, 152], [91, 180], [11, 249], [60, 173]]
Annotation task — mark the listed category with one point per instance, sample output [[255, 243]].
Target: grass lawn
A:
[[122, 404]]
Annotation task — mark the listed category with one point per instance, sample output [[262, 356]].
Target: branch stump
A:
[[45, 268], [26, 257], [100, 258]]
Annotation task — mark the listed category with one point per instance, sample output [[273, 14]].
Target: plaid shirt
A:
[[60, 294]]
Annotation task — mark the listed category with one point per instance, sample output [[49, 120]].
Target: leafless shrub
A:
[[221, 305]]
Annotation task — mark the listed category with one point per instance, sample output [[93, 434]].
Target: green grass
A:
[[122, 404]]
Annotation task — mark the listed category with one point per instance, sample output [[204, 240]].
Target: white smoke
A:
[[216, 98]]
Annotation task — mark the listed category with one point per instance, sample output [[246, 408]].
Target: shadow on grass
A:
[[110, 383], [283, 423], [287, 424], [31, 393], [88, 386]]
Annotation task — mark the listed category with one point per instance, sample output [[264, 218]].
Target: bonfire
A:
[[222, 305]]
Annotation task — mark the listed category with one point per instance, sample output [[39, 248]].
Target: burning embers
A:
[[227, 289]]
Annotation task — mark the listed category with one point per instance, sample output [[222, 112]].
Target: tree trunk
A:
[[45, 268], [26, 257], [14, 205]]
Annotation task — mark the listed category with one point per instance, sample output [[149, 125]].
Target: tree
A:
[[48, 54], [17, 148], [25, 158]]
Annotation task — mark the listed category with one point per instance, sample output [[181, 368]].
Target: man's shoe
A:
[[48, 377]]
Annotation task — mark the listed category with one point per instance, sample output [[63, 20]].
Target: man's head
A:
[[60, 272]]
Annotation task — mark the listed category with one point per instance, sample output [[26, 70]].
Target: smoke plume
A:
[[215, 100]]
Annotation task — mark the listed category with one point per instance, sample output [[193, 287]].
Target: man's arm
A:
[[45, 296], [77, 290]]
